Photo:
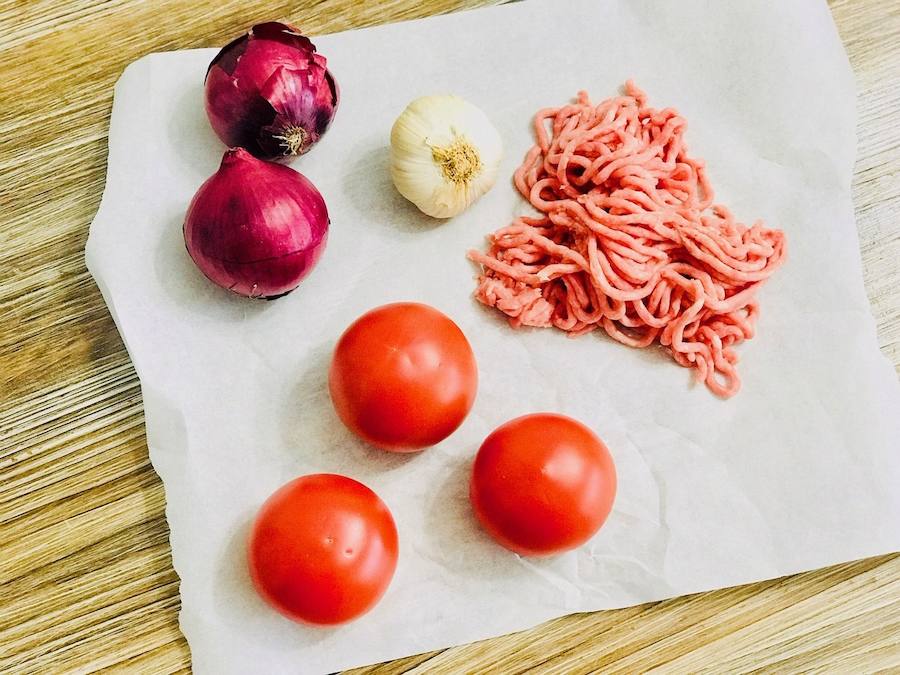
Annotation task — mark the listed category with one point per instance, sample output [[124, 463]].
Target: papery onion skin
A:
[[269, 91], [256, 228]]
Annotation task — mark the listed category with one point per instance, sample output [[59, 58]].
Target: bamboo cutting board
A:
[[86, 581]]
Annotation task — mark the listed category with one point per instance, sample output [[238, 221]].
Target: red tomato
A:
[[323, 549], [403, 377], [542, 484]]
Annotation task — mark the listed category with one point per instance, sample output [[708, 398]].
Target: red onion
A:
[[269, 92], [256, 228]]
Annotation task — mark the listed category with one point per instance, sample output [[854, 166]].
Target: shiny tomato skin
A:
[[403, 377], [323, 549], [542, 484]]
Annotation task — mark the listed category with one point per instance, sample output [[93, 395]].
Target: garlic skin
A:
[[445, 154]]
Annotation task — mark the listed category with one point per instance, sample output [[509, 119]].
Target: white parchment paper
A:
[[800, 470]]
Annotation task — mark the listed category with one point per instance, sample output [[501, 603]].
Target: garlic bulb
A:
[[445, 154]]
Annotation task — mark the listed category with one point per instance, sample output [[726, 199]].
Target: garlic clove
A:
[[445, 154]]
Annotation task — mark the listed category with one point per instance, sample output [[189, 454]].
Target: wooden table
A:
[[86, 580]]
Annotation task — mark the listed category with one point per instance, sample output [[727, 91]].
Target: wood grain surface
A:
[[86, 580]]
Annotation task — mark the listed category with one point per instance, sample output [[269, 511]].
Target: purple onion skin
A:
[[256, 228], [269, 92]]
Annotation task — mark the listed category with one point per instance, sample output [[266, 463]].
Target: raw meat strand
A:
[[628, 239]]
